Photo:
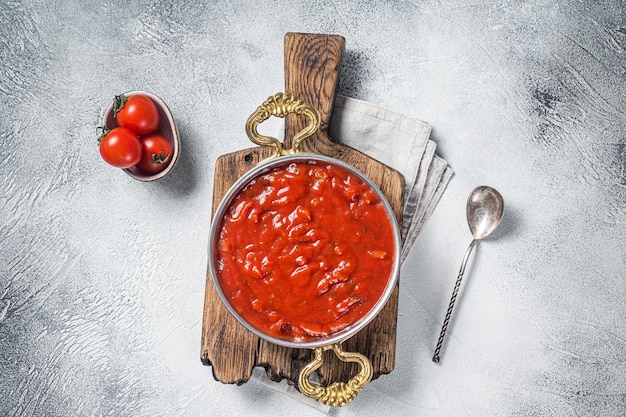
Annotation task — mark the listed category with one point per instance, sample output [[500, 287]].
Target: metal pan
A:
[[338, 393]]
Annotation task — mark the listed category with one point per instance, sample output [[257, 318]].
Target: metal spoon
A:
[[485, 207]]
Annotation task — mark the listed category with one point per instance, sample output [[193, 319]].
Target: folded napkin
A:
[[401, 143]]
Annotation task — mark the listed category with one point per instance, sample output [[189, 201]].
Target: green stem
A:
[[118, 103], [104, 132], [159, 158]]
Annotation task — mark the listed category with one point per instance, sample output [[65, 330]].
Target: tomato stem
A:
[[104, 132], [160, 158], [118, 103]]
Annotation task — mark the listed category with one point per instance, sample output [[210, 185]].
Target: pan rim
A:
[[255, 172]]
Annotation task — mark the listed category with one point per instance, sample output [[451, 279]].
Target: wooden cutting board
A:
[[312, 66]]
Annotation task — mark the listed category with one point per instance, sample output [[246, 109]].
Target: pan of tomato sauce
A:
[[304, 252]]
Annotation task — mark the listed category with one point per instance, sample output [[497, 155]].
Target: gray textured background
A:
[[102, 277]]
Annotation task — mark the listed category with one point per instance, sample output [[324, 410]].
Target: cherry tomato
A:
[[121, 147], [156, 154], [137, 112]]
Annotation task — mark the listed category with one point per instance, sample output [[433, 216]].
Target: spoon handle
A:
[[452, 301]]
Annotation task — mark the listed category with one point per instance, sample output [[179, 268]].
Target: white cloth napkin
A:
[[402, 143]]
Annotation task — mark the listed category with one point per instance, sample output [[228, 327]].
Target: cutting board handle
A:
[[312, 66]]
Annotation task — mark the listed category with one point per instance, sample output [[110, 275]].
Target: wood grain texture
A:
[[312, 66]]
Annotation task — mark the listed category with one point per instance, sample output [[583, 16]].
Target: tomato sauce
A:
[[304, 250]]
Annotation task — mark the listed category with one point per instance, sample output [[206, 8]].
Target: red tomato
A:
[[138, 113], [121, 148], [156, 155]]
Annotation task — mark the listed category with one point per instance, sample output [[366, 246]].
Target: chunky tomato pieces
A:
[[305, 251]]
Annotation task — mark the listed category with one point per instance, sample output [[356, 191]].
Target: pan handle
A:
[[338, 393], [280, 105]]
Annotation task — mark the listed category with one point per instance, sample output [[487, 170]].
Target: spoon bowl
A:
[[485, 207]]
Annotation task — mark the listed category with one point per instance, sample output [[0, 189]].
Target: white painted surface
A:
[[102, 277]]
